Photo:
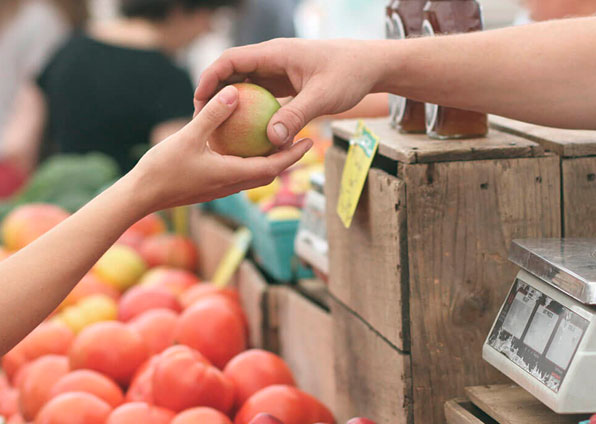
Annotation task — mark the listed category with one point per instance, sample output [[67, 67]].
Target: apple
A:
[[264, 418], [244, 133]]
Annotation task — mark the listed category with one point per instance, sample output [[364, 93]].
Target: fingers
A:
[[213, 114], [294, 116], [266, 168]]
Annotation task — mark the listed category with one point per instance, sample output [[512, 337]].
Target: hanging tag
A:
[[363, 147], [233, 257]]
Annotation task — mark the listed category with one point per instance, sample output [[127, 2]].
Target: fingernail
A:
[[281, 131], [228, 95]]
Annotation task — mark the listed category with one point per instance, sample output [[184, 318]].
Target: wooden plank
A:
[[566, 143], [305, 334], [372, 378], [411, 148], [213, 239], [462, 411], [510, 404], [579, 195], [365, 261], [461, 219], [252, 289]]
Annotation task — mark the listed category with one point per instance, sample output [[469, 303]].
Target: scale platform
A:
[[544, 337]]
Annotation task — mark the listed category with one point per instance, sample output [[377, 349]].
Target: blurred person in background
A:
[[30, 31], [113, 88], [545, 10], [263, 20]]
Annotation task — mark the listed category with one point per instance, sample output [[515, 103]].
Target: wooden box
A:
[[577, 152], [305, 341], [424, 266], [503, 404]]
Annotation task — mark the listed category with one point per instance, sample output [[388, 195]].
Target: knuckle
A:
[[295, 117]]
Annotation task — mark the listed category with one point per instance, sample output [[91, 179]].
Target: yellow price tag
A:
[[361, 153], [233, 257]]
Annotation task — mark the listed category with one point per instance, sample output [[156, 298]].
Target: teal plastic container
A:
[[233, 207], [273, 245]]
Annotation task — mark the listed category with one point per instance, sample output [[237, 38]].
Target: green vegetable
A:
[[68, 181]]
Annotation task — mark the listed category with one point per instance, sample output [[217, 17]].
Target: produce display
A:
[[142, 339]]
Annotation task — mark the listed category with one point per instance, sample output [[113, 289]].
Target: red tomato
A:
[[288, 404], [214, 328], [157, 328], [170, 250], [111, 348], [74, 408], [141, 299], [200, 291], [202, 415], [140, 412], [254, 370], [141, 387], [90, 382], [38, 380], [183, 379]]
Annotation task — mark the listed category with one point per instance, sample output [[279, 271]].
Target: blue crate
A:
[[233, 207], [273, 245]]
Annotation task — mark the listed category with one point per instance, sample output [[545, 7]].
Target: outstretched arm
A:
[[543, 73], [180, 170]]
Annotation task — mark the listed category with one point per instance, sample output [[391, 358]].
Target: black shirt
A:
[[108, 98]]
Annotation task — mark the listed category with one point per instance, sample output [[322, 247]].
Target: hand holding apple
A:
[[183, 169]]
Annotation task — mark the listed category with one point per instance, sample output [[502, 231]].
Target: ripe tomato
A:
[[254, 370], [111, 348], [89, 381], [214, 328], [183, 379], [289, 404], [37, 382], [74, 408], [140, 412]]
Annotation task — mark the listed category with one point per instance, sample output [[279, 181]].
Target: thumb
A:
[[215, 112], [294, 116]]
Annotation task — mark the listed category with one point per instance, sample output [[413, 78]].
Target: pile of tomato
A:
[[142, 340]]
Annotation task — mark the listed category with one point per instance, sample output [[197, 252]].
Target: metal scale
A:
[[544, 337]]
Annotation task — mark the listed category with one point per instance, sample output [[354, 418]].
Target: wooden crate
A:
[[424, 265], [372, 375], [305, 341], [577, 152], [503, 404]]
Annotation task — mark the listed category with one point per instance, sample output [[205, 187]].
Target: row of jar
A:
[[414, 18]]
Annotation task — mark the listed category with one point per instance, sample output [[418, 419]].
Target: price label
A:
[[363, 147]]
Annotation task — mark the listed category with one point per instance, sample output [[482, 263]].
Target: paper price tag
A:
[[233, 257], [363, 147]]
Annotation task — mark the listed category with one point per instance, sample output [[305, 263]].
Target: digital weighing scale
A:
[[544, 337]]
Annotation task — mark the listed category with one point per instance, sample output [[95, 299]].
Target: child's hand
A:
[[182, 169]]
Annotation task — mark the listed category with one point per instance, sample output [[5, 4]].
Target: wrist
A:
[[390, 59], [136, 195]]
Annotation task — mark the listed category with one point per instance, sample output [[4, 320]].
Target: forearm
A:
[[543, 73], [37, 278]]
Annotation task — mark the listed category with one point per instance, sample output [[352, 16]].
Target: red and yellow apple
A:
[[244, 133]]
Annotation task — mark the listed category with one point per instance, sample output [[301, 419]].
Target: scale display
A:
[[538, 334]]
